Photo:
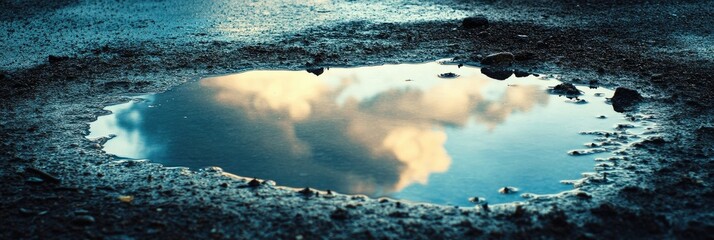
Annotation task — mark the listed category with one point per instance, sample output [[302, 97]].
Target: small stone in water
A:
[[566, 88], [507, 190], [478, 200], [306, 191], [448, 75]]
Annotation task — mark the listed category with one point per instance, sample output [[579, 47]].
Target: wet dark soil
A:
[[661, 50]]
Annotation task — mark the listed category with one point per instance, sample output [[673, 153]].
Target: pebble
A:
[[83, 220], [27, 211], [81, 212], [34, 180]]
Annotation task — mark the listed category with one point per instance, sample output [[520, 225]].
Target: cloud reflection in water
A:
[[373, 143]]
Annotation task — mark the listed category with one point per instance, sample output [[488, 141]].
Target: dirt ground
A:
[[61, 63]]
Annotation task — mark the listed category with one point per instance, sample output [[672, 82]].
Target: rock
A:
[[654, 140], [498, 74], [306, 191], [507, 190], [43, 175], [398, 214], [54, 59], [84, 220], [339, 214], [448, 75], [316, 71], [214, 169], [475, 22], [524, 56], [501, 58], [254, 183], [566, 89], [478, 200], [520, 73], [705, 134], [624, 99], [600, 70], [583, 195]]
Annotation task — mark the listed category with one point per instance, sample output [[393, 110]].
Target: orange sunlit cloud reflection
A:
[[400, 126]]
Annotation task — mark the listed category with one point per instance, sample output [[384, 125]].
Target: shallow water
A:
[[399, 131]]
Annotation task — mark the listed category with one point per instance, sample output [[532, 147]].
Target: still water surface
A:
[[395, 130]]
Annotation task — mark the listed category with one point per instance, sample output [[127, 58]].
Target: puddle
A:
[[402, 131]]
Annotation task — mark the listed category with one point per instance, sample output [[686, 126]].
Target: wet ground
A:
[[62, 63]]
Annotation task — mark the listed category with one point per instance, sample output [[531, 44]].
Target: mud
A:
[[658, 188]]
